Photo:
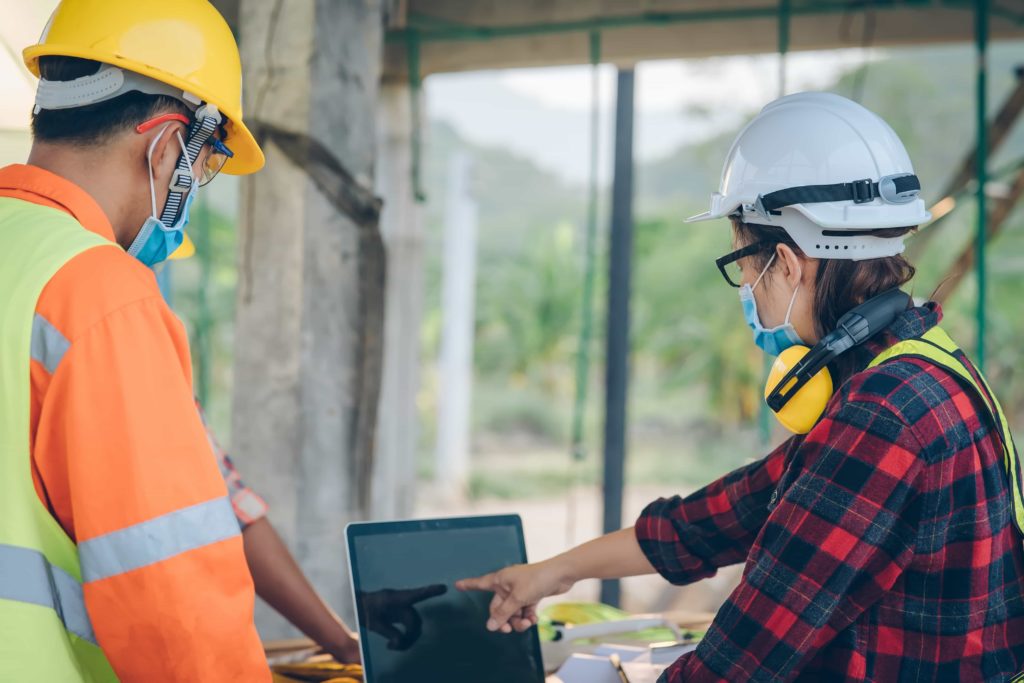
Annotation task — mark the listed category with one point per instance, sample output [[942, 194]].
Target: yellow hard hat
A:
[[183, 43], [187, 249]]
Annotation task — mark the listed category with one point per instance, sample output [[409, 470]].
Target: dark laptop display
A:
[[415, 626]]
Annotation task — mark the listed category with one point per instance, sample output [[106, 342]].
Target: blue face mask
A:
[[156, 241], [777, 339]]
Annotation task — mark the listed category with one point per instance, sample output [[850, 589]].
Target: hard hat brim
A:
[[701, 217]]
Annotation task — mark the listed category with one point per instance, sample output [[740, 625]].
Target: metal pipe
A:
[[412, 54], [981, 101], [619, 276], [590, 256], [433, 29]]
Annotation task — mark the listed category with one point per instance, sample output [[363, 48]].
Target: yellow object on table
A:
[[320, 669]]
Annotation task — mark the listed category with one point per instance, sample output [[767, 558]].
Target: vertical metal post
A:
[[764, 421], [412, 56], [981, 39], [204, 345], [590, 255], [619, 276], [784, 16]]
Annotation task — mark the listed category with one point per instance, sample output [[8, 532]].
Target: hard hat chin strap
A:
[[207, 119], [900, 188]]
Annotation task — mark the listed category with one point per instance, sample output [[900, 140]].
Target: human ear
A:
[[792, 267], [164, 157]]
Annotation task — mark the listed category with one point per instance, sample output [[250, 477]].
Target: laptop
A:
[[414, 625]]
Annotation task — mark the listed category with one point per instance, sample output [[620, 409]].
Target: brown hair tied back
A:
[[840, 284]]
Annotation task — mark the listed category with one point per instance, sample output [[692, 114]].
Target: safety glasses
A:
[[215, 160], [729, 264], [217, 152]]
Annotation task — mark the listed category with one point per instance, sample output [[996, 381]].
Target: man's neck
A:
[[96, 172]]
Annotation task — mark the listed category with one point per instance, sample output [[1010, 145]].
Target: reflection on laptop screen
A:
[[415, 626]]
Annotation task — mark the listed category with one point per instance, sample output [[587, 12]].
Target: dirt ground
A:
[[553, 524]]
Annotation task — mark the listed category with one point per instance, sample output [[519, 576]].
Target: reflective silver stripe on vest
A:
[[157, 539], [48, 344], [27, 576]]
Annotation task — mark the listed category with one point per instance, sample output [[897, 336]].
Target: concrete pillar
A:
[[310, 291], [458, 308], [401, 224]]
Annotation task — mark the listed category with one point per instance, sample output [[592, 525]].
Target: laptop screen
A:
[[414, 624]]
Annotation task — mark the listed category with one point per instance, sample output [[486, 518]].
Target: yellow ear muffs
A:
[[802, 411]]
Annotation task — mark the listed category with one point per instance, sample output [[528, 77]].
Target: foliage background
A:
[[696, 377]]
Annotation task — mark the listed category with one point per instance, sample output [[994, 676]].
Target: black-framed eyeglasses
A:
[[729, 264]]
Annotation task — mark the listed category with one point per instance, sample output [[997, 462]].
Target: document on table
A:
[[642, 672], [641, 665]]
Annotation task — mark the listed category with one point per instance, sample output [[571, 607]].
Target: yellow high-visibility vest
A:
[[45, 632], [937, 347]]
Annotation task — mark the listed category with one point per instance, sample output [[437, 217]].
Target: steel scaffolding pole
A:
[[619, 276], [981, 40]]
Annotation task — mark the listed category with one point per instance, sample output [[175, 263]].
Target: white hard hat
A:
[[826, 170]]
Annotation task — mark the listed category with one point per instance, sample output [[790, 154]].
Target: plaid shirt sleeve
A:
[[247, 505], [687, 539], [838, 538]]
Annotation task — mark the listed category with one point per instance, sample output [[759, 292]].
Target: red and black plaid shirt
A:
[[878, 547]]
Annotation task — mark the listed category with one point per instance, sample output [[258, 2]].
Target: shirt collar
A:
[[40, 186]]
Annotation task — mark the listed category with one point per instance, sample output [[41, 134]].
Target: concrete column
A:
[[458, 307], [401, 224], [310, 294]]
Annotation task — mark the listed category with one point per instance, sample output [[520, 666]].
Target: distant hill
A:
[[530, 257]]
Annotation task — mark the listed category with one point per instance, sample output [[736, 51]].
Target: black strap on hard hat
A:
[[894, 189], [853, 328]]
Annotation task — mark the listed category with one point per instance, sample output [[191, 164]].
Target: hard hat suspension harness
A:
[[106, 84]]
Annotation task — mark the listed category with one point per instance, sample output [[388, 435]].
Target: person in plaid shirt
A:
[[880, 545], [277, 576]]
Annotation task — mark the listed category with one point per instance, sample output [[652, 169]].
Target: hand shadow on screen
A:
[[387, 610], [453, 644]]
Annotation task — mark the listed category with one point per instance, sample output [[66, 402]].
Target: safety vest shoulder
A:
[[937, 347], [46, 632]]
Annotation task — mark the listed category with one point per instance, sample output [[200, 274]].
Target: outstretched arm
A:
[[279, 580]]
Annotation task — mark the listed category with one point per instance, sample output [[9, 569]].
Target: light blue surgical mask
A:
[[777, 339], [156, 241]]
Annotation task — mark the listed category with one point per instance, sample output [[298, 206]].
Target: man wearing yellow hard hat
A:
[[120, 556]]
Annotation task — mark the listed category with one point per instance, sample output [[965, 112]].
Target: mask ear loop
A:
[[149, 165], [767, 266], [189, 160], [791, 302]]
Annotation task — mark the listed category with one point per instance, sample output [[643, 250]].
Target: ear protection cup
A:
[[799, 385], [803, 409]]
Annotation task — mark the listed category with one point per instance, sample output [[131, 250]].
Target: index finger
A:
[[415, 595], [487, 582]]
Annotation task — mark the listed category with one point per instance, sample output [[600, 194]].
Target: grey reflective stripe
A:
[[27, 576], [156, 539], [48, 344]]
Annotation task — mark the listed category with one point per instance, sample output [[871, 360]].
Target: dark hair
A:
[[94, 124], [840, 284]]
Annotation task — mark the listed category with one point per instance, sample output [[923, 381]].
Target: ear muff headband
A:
[[796, 390]]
